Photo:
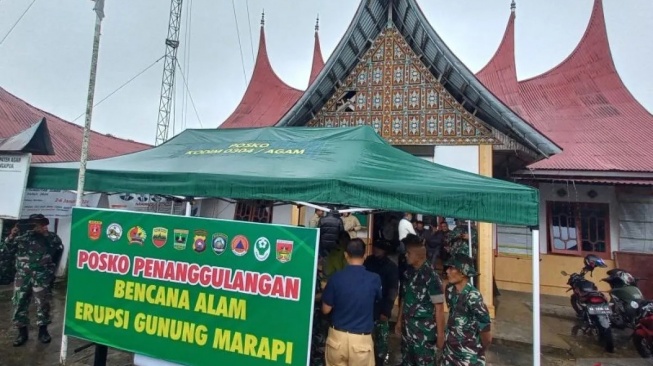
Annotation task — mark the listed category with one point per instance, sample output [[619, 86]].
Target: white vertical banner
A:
[[14, 169]]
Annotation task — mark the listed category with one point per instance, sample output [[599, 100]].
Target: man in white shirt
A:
[[405, 228]]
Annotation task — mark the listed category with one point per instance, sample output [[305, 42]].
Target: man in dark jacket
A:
[[380, 264], [330, 227]]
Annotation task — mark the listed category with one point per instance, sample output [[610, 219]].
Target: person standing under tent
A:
[[330, 227], [315, 220], [351, 223], [350, 297], [336, 261], [404, 228], [382, 265], [320, 323], [435, 240], [34, 272], [421, 310], [468, 334], [459, 239]]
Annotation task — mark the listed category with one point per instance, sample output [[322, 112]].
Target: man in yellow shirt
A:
[[352, 225]]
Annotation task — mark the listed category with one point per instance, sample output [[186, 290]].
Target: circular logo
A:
[[137, 235], [262, 248], [219, 244], [240, 245], [114, 232]]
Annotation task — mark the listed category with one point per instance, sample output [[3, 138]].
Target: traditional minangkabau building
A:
[[575, 132]]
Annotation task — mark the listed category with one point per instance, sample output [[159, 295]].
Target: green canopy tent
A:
[[353, 166]]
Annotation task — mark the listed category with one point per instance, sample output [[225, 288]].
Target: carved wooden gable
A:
[[393, 91]]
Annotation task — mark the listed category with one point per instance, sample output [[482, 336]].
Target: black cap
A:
[[38, 219]]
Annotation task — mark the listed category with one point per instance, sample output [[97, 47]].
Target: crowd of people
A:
[[353, 311]]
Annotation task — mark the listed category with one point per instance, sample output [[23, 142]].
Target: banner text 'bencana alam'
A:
[[198, 302]]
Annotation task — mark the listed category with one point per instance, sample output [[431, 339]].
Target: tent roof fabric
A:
[[352, 166]]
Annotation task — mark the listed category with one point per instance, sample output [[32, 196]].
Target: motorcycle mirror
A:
[[564, 273]]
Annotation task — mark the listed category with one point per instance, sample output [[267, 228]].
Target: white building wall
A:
[[458, 157], [217, 209], [282, 214]]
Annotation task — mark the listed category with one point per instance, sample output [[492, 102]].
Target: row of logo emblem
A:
[[239, 244]]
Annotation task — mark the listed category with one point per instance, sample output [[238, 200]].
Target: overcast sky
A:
[[46, 59]]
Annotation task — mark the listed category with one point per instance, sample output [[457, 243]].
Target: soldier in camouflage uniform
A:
[[380, 264], [459, 239], [7, 258], [421, 311], [468, 328], [34, 271], [320, 322]]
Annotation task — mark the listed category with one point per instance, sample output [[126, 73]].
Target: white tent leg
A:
[[469, 243], [536, 297]]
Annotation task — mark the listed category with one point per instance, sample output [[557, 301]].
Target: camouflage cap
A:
[[462, 263], [38, 219]]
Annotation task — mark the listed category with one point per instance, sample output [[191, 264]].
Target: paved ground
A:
[[511, 348]]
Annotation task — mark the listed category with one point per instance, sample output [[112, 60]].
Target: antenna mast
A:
[[169, 67]]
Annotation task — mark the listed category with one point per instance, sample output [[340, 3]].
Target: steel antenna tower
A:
[[169, 67]]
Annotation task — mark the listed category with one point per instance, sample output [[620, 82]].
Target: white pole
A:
[[536, 297], [82, 161], [469, 243], [189, 206]]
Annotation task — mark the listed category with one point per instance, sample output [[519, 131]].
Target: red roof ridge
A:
[[596, 31], [500, 73], [266, 97], [263, 69], [506, 47], [49, 116], [318, 61]]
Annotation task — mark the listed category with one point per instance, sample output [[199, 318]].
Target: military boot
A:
[[44, 336], [21, 338]]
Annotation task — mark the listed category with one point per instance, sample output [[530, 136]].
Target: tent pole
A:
[[536, 297], [189, 206], [469, 243]]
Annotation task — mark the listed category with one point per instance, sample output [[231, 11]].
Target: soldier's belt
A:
[[348, 332]]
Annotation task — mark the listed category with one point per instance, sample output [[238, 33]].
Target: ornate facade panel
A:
[[392, 91]]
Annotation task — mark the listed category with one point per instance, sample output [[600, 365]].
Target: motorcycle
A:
[[591, 306], [643, 334], [625, 298]]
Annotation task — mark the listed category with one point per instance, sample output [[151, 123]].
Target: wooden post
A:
[[295, 213], [485, 231]]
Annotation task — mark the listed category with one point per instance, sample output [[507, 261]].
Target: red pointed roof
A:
[[318, 61], [500, 74], [582, 105], [267, 97], [17, 115]]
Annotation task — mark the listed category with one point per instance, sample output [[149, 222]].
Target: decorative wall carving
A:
[[393, 91]]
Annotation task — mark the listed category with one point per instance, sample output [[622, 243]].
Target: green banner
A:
[[193, 291]]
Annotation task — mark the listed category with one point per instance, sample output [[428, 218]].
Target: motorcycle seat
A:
[[587, 286], [593, 293]]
